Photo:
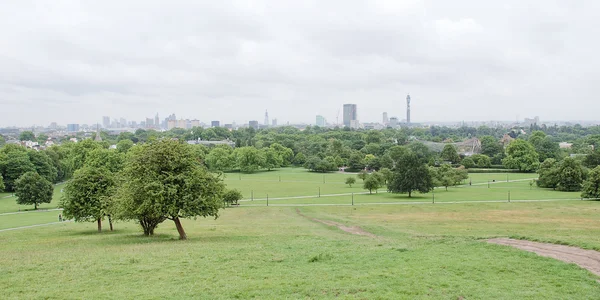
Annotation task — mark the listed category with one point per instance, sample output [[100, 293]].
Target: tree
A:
[[387, 175], [490, 146], [481, 160], [571, 175], [14, 165], [372, 183], [124, 145], [80, 151], [300, 159], [410, 175], [43, 164], [450, 154], [592, 160], [27, 136], [111, 160], [350, 181], [356, 161], [220, 159], [87, 196], [362, 175], [272, 159], [591, 187], [2, 187], [249, 159], [548, 172], [42, 138], [320, 165], [447, 176], [231, 197], [162, 180], [521, 155], [286, 154], [31, 188], [546, 148], [468, 162]]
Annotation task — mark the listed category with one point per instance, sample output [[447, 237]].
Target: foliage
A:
[[350, 181], [249, 159], [87, 196], [80, 151], [411, 174], [31, 188], [124, 145], [220, 159], [43, 165], [362, 175], [231, 197], [450, 154], [571, 175], [111, 160], [273, 158], [447, 176], [2, 186], [162, 180], [521, 155], [591, 186], [316, 164], [300, 159], [490, 146], [13, 165], [548, 172], [387, 175], [468, 162], [481, 161], [372, 183], [26, 136], [592, 160]]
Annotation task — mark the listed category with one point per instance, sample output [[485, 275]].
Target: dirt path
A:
[[350, 229], [587, 259]]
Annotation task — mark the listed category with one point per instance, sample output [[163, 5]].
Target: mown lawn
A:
[[421, 252], [8, 203]]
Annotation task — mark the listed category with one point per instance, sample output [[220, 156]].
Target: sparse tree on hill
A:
[[410, 174], [591, 187], [87, 196], [162, 180], [31, 188], [372, 183], [350, 181], [362, 175], [231, 197]]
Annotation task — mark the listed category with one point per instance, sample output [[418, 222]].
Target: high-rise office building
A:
[[123, 123], [349, 114], [385, 118], [106, 122], [321, 121], [393, 122], [266, 123], [407, 109], [156, 121], [72, 127], [253, 124], [215, 124], [149, 122], [274, 122]]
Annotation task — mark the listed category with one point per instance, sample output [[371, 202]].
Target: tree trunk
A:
[[446, 188], [110, 222], [182, 235], [409, 194], [99, 225], [35, 205]]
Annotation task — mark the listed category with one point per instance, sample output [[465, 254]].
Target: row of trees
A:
[[570, 175]]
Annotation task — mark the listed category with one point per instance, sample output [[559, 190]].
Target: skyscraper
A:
[[320, 121], [253, 124], [407, 109], [266, 123], [106, 121], [385, 118], [156, 121], [215, 124], [349, 114]]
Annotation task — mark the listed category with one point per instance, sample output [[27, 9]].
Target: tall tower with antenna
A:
[[408, 109], [266, 123]]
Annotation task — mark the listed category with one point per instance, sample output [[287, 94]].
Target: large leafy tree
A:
[[272, 158], [591, 187], [104, 158], [490, 146], [410, 174], [249, 159], [521, 155], [43, 164], [13, 165], [592, 160], [220, 159], [548, 172], [124, 145], [87, 196], [450, 154], [372, 183], [162, 180], [80, 151], [286, 154], [31, 188], [571, 175]]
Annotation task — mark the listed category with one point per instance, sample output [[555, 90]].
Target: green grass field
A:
[[8, 202], [421, 251]]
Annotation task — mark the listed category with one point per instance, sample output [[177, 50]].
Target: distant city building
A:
[[253, 124], [156, 121], [171, 124], [106, 122], [355, 124], [123, 123], [215, 124], [53, 125], [228, 126], [407, 109], [149, 122], [385, 118], [195, 123], [182, 124], [274, 122], [349, 114], [393, 122], [535, 120], [72, 127], [266, 123], [321, 121]]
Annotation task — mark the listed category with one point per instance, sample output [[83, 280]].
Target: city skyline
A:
[[74, 63]]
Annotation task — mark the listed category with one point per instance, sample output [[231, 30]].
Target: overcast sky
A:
[[76, 61]]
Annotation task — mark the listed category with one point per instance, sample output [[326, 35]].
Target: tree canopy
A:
[[31, 188]]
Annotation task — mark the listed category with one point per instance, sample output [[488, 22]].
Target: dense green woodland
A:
[[155, 176]]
